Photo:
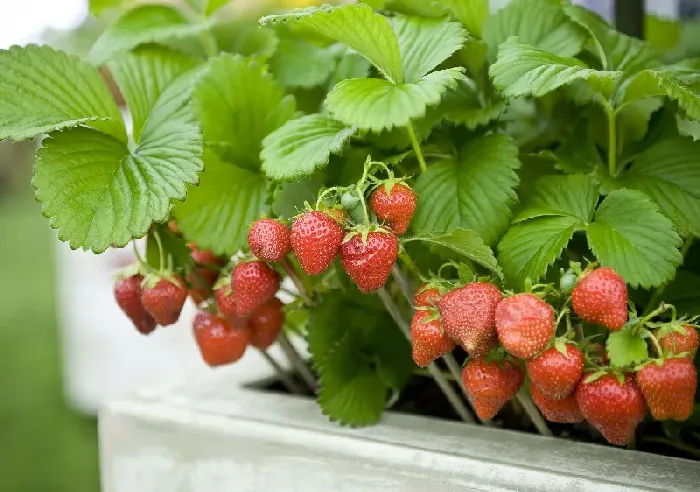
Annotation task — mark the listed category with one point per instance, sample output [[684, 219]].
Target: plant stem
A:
[[416, 147], [656, 297], [612, 139], [402, 282], [291, 273], [532, 411], [296, 361], [285, 379], [437, 375], [456, 372]]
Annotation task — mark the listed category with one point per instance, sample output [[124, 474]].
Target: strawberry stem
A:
[[416, 147], [532, 412], [283, 375], [403, 284], [160, 250], [138, 255], [296, 361], [291, 273]]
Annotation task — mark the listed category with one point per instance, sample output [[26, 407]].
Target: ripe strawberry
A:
[[614, 409], [266, 323], [491, 385], [555, 374], [163, 298], [337, 214], [394, 205], [525, 325], [669, 388], [564, 411], [226, 302], [127, 292], [678, 343], [426, 297], [203, 278], [253, 284], [369, 263], [468, 315], [428, 339], [269, 240], [219, 341], [481, 350], [316, 240], [600, 298]]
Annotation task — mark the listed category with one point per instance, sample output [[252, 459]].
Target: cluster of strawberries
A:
[[568, 384]]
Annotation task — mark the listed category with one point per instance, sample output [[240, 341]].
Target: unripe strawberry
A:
[[164, 298], [269, 240], [554, 374], [468, 315], [266, 323], [564, 411], [253, 284], [394, 205], [525, 325], [678, 343], [316, 239], [490, 385], [428, 339], [127, 292], [613, 408], [600, 298], [369, 262], [426, 297], [219, 341], [669, 388]]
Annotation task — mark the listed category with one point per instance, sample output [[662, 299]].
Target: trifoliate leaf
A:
[[572, 195], [299, 63], [626, 348], [578, 154], [357, 26], [688, 128], [302, 146], [538, 23], [529, 248], [238, 104], [630, 235], [524, 70], [219, 211], [633, 119], [669, 174], [471, 13], [288, 199], [176, 254], [143, 25], [42, 90], [662, 82], [476, 191], [425, 43], [245, 38], [462, 105], [377, 104], [350, 66], [392, 354], [464, 242], [206, 7], [142, 75]]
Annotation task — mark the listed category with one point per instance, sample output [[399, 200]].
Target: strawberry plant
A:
[[429, 184]]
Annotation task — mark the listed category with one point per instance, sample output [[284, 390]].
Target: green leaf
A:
[[573, 195], [471, 13], [288, 199], [143, 25], [42, 90], [350, 66], [206, 7], [392, 354], [298, 63], [578, 154], [357, 26], [529, 248], [245, 38], [539, 23], [464, 242], [684, 293], [174, 247], [476, 191], [96, 7], [630, 235], [462, 106], [669, 83], [142, 76], [425, 43], [377, 104], [302, 146], [626, 349], [98, 192], [524, 70], [669, 174], [238, 104], [219, 211]]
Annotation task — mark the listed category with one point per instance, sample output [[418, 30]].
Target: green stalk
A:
[[612, 140], [416, 147], [284, 377]]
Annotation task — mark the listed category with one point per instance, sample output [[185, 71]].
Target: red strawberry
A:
[[555, 374], [253, 284], [525, 325], [226, 302], [163, 298], [426, 297], [564, 411], [219, 341], [678, 343], [394, 205], [316, 240], [481, 350], [428, 339], [337, 214], [269, 240], [127, 292], [369, 263], [202, 278], [468, 315], [266, 323], [600, 298], [614, 409], [669, 388], [491, 385]]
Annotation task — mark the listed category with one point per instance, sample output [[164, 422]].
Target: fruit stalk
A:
[[291, 273], [402, 282], [434, 371], [534, 414], [284, 376], [296, 361], [416, 147]]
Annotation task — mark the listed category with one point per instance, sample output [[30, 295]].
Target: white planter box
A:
[[207, 435]]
